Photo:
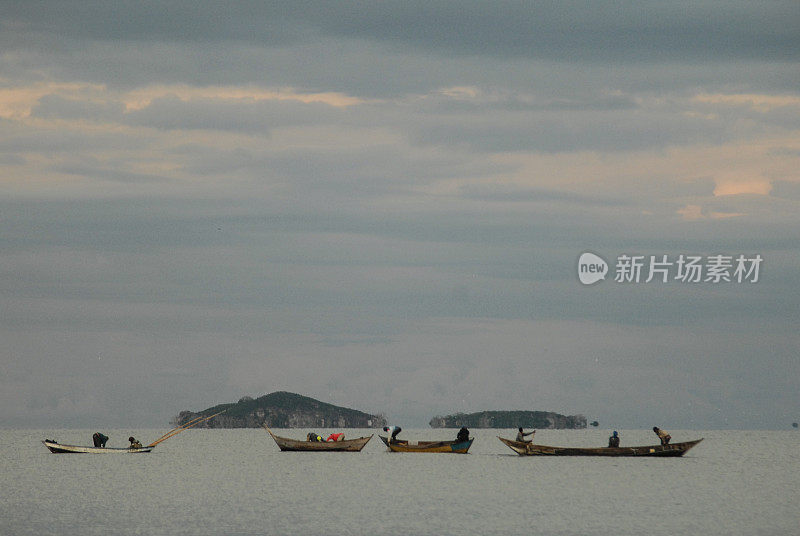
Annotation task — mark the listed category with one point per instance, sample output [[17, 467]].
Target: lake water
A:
[[237, 482]]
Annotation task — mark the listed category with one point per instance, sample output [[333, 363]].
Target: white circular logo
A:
[[591, 268]]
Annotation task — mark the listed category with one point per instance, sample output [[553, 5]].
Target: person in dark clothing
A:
[[134, 443], [613, 441], [313, 436], [99, 440], [463, 434]]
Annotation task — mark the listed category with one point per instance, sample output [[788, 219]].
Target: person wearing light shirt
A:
[[393, 430], [521, 436], [662, 435]]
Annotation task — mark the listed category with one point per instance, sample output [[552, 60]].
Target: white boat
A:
[[57, 448]]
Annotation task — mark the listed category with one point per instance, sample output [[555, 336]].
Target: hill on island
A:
[[509, 419], [282, 410]]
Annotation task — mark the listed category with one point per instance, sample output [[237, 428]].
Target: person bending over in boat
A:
[[463, 435], [521, 436], [662, 435], [394, 430], [613, 441], [99, 440], [313, 436], [134, 443], [336, 437]]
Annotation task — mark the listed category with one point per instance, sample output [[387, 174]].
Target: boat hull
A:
[[458, 447], [293, 445], [58, 448], [662, 451]]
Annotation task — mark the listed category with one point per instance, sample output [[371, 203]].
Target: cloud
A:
[[696, 212], [759, 103], [737, 188], [143, 97], [362, 48], [381, 205], [17, 100]]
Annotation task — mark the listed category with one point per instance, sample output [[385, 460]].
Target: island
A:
[[282, 410], [509, 419]]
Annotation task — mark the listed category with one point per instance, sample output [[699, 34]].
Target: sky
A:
[[382, 205]]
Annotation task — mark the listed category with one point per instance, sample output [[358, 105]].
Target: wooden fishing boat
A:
[[57, 448], [346, 445], [401, 445], [530, 449]]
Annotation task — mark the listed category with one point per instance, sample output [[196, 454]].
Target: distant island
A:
[[282, 410], [509, 419]]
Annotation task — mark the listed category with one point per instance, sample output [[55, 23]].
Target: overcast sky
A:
[[382, 204]]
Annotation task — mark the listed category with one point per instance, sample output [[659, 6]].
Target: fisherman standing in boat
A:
[[662, 435], [613, 441], [99, 440], [521, 436], [394, 430], [134, 443]]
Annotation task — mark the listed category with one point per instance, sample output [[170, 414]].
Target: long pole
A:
[[183, 426], [180, 429]]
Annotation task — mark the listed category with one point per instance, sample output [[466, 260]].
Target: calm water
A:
[[237, 482]]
